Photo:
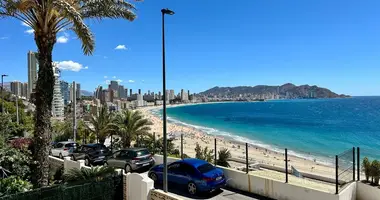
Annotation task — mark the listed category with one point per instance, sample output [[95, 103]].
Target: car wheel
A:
[[60, 156], [87, 162], [153, 176], [127, 168], [191, 188]]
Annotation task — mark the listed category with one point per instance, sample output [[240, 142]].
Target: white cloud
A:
[[63, 39], [119, 81], [29, 31], [107, 81], [24, 24], [105, 76], [121, 47], [70, 66], [131, 81], [113, 76]]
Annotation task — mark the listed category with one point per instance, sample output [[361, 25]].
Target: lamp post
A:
[[165, 170], [2, 93]]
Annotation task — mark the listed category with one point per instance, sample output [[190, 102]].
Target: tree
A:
[[47, 18], [131, 125], [16, 161], [366, 168], [375, 172], [203, 153], [223, 156], [102, 125], [13, 185]]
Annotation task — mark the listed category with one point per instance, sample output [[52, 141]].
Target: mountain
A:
[[86, 93], [286, 91]]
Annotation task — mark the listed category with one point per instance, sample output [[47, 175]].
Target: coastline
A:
[[257, 153]]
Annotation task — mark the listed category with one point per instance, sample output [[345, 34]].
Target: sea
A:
[[309, 128]]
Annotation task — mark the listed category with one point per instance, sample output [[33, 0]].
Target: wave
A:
[[233, 137]]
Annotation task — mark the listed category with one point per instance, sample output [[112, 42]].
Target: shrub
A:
[[84, 174], [223, 155], [16, 161], [366, 168], [13, 185], [203, 153], [375, 172]]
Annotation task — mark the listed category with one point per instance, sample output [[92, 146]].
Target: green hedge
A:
[[108, 189]]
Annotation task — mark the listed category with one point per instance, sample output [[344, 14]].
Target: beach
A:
[[256, 154]]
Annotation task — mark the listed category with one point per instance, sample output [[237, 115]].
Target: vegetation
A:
[[203, 153], [47, 18], [223, 156], [102, 125], [84, 174], [16, 161], [131, 126], [13, 185], [371, 170], [62, 131]]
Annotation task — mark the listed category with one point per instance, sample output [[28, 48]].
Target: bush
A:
[[16, 161], [223, 155], [13, 185], [203, 154], [375, 172], [366, 168]]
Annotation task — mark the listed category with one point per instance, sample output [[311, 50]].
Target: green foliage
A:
[[102, 126], [203, 153], [375, 172], [16, 161], [85, 174], [13, 185], [131, 125], [63, 130], [366, 168], [223, 156]]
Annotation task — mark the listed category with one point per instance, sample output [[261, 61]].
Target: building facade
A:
[[32, 72], [58, 103], [65, 92]]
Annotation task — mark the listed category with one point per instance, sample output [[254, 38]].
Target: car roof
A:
[[194, 162], [135, 149], [66, 142]]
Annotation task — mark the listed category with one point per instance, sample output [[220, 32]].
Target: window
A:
[[59, 145], [69, 145], [143, 152], [205, 168], [124, 154], [116, 154], [188, 169]]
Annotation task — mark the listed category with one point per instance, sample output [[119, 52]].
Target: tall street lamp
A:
[[165, 172], [2, 94]]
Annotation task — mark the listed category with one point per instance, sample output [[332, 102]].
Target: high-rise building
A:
[[130, 92], [171, 95], [114, 85], [65, 92], [139, 91], [105, 97], [78, 92], [159, 96], [126, 92], [16, 88], [99, 92], [24, 91], [32, 72], [57, 104], [121, 92]]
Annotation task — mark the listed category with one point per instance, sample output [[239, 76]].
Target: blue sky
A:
[[333, 44]]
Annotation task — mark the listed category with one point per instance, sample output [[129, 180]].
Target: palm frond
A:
[[107, 9], [94, 173]]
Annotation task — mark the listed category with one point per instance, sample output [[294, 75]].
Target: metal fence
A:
[[111, 188], [345, 167]]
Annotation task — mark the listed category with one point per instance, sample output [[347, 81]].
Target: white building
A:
[[58, 103], [32, 72]]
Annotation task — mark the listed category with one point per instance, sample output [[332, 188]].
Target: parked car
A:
[[195, 174], [131, 159], [62, 149], [92, 154]]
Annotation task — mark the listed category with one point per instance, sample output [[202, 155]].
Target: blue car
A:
[[197, 175]]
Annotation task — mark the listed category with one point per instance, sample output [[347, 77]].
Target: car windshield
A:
[[71, 145], [142, 153], [205, 168]]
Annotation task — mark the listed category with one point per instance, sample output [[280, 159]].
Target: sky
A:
[[332, 44]]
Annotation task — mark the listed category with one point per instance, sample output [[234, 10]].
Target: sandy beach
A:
[[256, 154]]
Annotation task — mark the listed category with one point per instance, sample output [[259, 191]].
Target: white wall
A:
[[236, 179], [138, 186], [349, 192], [367, 192], [70, 164]]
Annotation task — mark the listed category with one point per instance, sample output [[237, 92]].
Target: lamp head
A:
[[167, 11]]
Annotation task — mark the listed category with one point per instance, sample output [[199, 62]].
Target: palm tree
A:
[[224, 154], [102, 125], [47, 18], [366, 168], [131, 124], [84, 174]]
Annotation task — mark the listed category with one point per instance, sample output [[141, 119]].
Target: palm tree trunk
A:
[[43, 101]]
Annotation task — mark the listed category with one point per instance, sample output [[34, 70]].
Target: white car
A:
[[62, 149]]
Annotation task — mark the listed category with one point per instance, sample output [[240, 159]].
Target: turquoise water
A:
[[308, 128]]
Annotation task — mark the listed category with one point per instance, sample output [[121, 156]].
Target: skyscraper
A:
[[78, 92], [139, 91], [99, 92], [57, 104], [114, 85], [121, 92], [126, 92], [65, 92], [24, 91], [32, 72], [171, 95], [16, 88], [130, 92]]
